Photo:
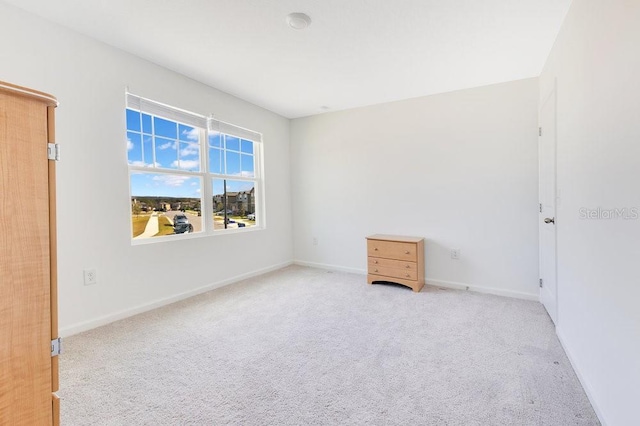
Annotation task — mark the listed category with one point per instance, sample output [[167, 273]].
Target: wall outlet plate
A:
[[90, 277]]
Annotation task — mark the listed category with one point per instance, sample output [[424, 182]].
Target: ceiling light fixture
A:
[[298, 21]]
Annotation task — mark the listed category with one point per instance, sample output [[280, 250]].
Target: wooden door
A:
[[27, 375], [548, 197]]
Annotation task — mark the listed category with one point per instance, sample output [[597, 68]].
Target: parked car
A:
[[251, 216], [181, 224]]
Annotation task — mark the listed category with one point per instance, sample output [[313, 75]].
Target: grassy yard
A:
[[164, 226], [139, 223], [234, 217]]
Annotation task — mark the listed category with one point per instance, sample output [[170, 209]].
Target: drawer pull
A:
[[408, 275], [407, 252], [375, 261], [408, 266], [375, 249], [375, 270]]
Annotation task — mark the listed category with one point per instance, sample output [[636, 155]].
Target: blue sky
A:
[[177, 147], [232, 186], [160, 184]]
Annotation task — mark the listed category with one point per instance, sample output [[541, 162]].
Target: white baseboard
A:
[[431, 282], [125, 313], [481, 289], [330, 267], [583, 381]]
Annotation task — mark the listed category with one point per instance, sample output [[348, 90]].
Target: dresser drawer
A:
[[375, 262], [405, 274], [392, 250]]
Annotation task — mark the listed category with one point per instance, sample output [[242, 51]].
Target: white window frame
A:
[[206, 125]]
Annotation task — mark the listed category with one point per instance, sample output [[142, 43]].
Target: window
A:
[[190, 174]]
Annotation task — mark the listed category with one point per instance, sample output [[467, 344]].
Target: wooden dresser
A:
[[396, 259]]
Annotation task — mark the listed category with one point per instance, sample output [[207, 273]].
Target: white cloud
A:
[[167, 145], [191, 149], [171, 180], [129, 144], [245, 174], [187, 164], [194, 183], [193, 134], [143, 164], [198, 190]]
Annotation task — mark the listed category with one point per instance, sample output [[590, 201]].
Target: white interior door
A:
[[548, 198]]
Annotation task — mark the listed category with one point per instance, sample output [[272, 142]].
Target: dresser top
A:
[[395, 238], [23, 91]]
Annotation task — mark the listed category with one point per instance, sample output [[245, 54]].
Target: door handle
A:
[[550, 220]]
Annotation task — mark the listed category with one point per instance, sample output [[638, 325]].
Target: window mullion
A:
[[207, 184], [153, 140]]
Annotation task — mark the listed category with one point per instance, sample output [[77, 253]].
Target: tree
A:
[[137, 209]]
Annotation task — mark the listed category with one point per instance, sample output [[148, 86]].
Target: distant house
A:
[[237, 202], [246, 201]]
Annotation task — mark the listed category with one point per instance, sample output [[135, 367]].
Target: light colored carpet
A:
[[303, 346]]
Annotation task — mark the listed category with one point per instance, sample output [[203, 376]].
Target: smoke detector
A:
[[298, 21]]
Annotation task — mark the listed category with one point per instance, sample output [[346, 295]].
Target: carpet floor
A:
[[302, 346]]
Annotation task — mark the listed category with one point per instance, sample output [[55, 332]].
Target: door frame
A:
[[551, 96]]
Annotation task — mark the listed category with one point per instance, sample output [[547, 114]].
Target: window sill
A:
[[195, 235]]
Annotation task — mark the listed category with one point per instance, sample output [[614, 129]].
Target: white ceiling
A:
[[355, 53]]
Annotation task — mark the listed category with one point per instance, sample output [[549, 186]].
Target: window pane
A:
[[134, 149], [247, 146], [216, 163], [189, 156], [165, 128], [165, 204], [188, 133], [232, 142], [214, 139], [146, 123], [133, 120], [148, 150], [166, 153], [233, 163], [237, 199], [247, 165]]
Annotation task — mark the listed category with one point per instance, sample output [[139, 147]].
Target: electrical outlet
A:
[[315, 241], [90, 277], [455, 254]]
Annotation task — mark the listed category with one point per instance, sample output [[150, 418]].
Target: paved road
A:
[[218, 223], [195, 220]]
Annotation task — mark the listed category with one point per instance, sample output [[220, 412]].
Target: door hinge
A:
[[540, 282], [56, 346], [539, 131], [53, 151], [540, 207]]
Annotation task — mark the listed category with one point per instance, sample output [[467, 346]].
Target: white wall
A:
[[89, 80], [596, 63], [459, 169]]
